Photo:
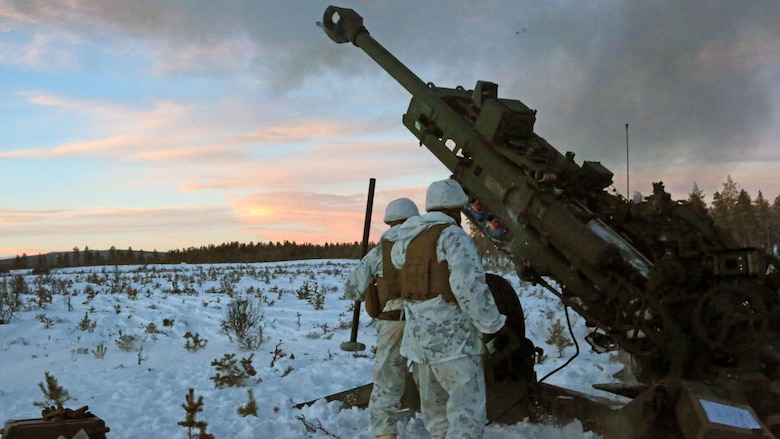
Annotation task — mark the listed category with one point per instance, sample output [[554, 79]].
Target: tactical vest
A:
[[389, 285], [423, 277]]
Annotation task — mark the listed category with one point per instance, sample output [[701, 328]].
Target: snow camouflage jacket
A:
[[368, 268], [437, 331]]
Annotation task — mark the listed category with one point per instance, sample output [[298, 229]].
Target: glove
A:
[[491, 346], [502, 341]]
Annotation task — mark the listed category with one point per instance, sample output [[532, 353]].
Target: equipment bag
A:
[[371, 300]]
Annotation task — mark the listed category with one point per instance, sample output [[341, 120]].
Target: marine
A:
[[448, 307], [376, 282]]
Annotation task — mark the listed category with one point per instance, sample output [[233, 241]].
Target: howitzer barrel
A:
[[348, 27], [444, 131]]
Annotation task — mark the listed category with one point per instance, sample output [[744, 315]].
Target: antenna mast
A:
[[628, 194]]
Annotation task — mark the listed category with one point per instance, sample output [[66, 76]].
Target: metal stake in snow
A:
[[352, 344]]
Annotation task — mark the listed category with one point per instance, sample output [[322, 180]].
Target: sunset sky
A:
[[170, 124]]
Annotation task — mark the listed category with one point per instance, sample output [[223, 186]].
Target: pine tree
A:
[[192, 407], [763, 218], [250, 408], [87, 256], [723, 204], [76, 257], [744, 226], [696, 197], [55, 395], [775, 232]]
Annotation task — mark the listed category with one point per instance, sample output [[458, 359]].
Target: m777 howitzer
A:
[[696, 311]]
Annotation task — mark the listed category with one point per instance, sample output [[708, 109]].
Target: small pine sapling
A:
[[277, 353], [246, 364], [557, 338], [126, 342], [194, 342], [86, 324], [151, 328], [250, 408], [55, 395], [141, 357], [191, 408], [100, 351], [228, 373], [43, 295], [47, 321]]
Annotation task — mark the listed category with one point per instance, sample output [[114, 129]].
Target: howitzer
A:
[[657, 278]]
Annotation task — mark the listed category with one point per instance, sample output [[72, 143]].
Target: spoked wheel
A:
[[507, 302], [730, 319], [514, 356], [642, 325]]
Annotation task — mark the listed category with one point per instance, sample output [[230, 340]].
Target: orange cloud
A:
[[293, 132], [222, 185], [316, 217], [756, 50], [149, 228]]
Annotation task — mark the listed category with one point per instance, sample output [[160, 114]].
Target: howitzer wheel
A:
[[730, 319], [507, 302], [514, 357], [642, 323]]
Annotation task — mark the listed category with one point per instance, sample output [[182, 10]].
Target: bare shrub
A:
[[557, 337], [244, 323], [10, 302]]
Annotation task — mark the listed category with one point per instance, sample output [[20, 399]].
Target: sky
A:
[[165, 125]]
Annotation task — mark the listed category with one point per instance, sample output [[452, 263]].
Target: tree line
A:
[[753, 222], [232, 252]]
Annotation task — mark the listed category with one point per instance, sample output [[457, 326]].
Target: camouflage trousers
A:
[[390, 368], [452, 398]]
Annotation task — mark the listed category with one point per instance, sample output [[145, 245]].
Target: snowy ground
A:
[[139, 391]]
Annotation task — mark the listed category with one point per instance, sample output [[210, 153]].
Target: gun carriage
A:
[[657, 278]]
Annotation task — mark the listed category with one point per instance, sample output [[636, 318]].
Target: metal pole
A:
[[628, 194], [352, 344]]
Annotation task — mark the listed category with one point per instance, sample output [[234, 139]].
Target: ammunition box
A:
[[700, 415], [52, 429]]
